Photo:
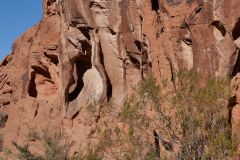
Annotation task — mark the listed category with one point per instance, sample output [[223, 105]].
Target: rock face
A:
[[91, 51]]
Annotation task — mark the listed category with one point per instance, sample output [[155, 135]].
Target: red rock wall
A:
[[90, 51]]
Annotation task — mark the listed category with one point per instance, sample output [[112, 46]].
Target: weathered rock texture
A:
[[92, 51]]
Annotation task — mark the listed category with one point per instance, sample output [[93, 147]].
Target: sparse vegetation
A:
[[158, 122], [191, 121], [56, 147], [202, 116]]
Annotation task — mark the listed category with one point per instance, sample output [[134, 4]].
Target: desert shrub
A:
[[201, 112], [24, 153], [56, 147], [198, 123]]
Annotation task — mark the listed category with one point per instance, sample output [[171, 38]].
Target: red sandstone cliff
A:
[[91, 51]]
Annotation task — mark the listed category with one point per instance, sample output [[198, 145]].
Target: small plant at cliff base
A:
[[56, 147]]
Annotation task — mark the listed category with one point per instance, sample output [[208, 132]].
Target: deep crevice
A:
[[36, 113], [236, 30], [173, 79], [157, 143], [3, 119], [85, 32], [50, 2], [187, 41], [53, 58], [86, 47], [155, 5], [138, 44], [75, 115], [231, 103], [134, 61], [112, 31], [198, 10], [32, 91], [94, 4], [220, 27], [42, 71], [109, 88], [236, 67]]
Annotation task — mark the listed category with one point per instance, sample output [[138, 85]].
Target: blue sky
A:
[[16, 16]]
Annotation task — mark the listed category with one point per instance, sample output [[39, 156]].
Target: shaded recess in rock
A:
[[231, 103], [85, 32], [138, 44], [41, 71], [82, 65], [3, 119], [32, 91], [219, 26], [134, 60], [155, 5], [157, 143], [236, 67], [75, 115], [50, 2], [236, 30], [187, 41], [53, 58]]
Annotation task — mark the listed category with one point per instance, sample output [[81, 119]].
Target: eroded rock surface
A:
[[88, 52]]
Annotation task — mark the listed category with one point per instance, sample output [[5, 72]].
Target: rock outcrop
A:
[[88, 52]]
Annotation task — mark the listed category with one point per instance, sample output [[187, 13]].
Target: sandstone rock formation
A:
[[92, 51]]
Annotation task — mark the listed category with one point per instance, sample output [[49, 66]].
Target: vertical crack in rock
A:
[[32, 91], [231, 103], [157, 143], [219, 29], [236, 33], [236, 66], [236, 38], [155, 5], [236, 30]]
